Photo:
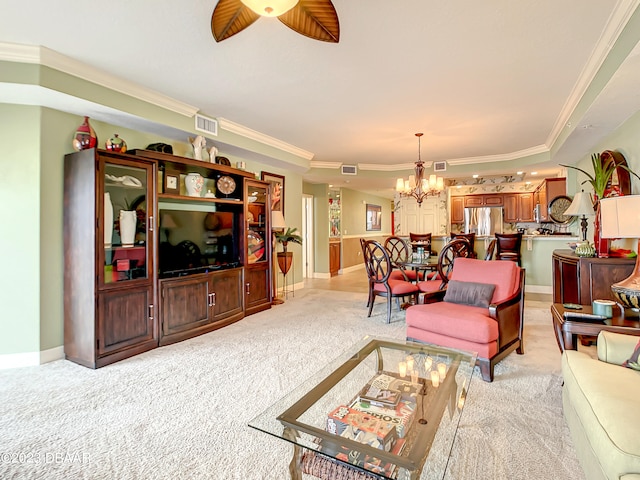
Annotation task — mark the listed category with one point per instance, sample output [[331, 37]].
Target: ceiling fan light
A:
[[270, 8]]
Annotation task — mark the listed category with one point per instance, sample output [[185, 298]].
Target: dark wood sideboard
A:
[[584, 279]]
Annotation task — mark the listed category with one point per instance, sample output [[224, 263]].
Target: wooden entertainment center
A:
[[196, 262]]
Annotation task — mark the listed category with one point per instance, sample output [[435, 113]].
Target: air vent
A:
[[206, 125], [439, 166], [349, 170]]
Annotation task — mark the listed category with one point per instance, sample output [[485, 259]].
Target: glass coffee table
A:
[[384, 407]]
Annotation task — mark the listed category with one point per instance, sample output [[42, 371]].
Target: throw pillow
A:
[[632, 362], [469, 293]]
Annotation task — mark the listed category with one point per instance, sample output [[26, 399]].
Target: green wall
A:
[[20, 187]]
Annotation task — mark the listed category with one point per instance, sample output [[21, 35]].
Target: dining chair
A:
[[363, 242], [400, 251], [379, 268], [490, 249], [471, 237], [508, 247], [424, 238], [458, 247]]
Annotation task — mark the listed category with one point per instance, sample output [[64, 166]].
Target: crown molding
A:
[[44, 56], [243, 131], [614, 27], [391, 168], [504, 157], [330, 165]]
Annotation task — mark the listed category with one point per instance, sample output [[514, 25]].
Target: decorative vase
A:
[[601, 244], [285, 259], [128, 221], [116, 144], [108, 220], [585, 249], [85, 136], [194, 183]]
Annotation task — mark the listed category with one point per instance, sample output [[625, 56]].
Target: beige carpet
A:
[[181, 411]]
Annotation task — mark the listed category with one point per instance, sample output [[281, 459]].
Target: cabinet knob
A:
[[247, 288], [150, 312]]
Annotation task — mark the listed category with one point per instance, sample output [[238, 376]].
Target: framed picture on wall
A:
[[277, 189], [374, 217]]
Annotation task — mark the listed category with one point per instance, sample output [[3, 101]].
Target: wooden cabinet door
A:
[[185, 304], [125, 319], [525, 207], [510, 212], [493, 200], [257, 294], [334, 258], [474, 201], [457, 209], [227, 294]]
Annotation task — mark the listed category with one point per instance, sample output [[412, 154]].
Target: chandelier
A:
[[418, 186]]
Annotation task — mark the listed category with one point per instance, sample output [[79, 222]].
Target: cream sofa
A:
[[601, 401]]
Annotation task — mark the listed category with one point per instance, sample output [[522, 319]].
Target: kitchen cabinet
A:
[[518, 207], [457, 209], [548, 189], [584, 279], [484, 200]]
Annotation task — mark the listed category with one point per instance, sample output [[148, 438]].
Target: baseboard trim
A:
[[353, 268], [30, 359], [546, 289]]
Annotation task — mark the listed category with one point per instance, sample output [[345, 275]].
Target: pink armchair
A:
[[482, 311]]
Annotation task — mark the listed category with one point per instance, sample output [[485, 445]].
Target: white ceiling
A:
[[482, 80]]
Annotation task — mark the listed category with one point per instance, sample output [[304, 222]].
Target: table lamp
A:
[[581, 205], [277, 223], [620, 218], [167, 223]]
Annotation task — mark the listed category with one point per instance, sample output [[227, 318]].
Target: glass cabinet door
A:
[[127, 220], [256, 215]]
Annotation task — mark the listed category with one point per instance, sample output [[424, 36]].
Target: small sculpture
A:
[[198, 144], [213, 152]]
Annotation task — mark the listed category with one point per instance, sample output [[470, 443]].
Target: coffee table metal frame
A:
[[430, 426]]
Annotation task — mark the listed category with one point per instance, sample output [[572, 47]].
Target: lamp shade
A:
[[277, 220], [581, 205], [270, 8], [620, 216], [167, 221]]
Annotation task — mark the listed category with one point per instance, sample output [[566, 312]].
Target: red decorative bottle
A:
[[85, 136]]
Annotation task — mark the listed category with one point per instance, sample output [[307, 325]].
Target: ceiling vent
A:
[[206, 125], [349, 170], [439, 166]]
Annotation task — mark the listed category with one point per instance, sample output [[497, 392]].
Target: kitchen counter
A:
[[536, 252]]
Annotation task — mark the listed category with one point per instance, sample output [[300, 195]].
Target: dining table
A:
[[424, 264]]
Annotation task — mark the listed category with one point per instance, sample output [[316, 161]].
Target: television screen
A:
[[194, 241]]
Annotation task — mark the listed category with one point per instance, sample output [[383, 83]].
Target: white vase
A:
[[128, 220], [108, 220], [194, 183]]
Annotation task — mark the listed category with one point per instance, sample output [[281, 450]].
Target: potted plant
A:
[[604, 165], [285, 258]]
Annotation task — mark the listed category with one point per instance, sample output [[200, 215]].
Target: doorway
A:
[[307, 235]]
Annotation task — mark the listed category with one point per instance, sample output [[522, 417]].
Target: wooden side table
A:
[[623, 321]]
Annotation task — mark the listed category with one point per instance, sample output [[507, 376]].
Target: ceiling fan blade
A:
[[230, 17], [316, 19]]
